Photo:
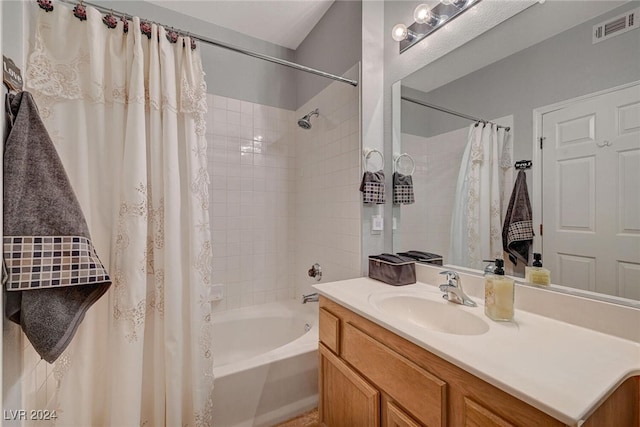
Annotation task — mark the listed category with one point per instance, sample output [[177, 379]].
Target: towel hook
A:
[[396, 163], [11, 76], [368, 152]]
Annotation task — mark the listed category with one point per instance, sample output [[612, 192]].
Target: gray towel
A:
[[53, 272], [372, 187], [517, 230], [403, 189]]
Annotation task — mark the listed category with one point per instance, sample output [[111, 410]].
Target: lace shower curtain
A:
[[126, 111], [481, 199]]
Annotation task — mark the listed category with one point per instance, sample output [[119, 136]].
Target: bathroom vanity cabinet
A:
[[370, 376]]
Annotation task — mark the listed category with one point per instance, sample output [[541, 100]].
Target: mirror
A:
[[550, 72]]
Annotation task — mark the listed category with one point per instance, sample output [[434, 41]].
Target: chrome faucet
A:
[[314, 297], [453, 290]]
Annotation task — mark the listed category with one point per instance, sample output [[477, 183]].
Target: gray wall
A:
[[334, 45], [228, 73], [562, 67]]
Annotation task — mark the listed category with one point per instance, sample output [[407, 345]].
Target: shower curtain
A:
[[481, 199], [126, 111]]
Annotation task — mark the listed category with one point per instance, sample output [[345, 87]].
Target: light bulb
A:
[[399, 32], [422, 14]]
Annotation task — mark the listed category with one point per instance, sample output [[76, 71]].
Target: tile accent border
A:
[[36, 262]]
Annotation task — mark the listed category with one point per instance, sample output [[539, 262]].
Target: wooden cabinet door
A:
[[476, 415], [346, 400], [396, 417]]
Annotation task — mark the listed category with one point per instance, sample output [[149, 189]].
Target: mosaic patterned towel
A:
[[53, 274], [46, 261], [517, 230], [403, 189], [372, 187]]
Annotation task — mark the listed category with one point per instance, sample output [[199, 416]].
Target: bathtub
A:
[[265, 363]]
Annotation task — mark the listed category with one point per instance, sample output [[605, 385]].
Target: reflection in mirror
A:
[[570, 96]]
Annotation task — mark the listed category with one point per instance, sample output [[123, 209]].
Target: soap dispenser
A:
[[537, 274], [499, 294]]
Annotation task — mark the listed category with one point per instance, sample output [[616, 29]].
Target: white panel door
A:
[[591, 193]]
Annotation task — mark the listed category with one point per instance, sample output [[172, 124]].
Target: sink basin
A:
[[430, 313]]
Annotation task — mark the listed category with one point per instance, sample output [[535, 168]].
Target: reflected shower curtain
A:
[[479, 207], [126, 113]]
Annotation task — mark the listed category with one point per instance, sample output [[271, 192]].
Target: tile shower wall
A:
[[251, 166], [327, 178], [283, 198], [425, 225]]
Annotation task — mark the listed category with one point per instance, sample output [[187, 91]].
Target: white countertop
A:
[[564, 370]]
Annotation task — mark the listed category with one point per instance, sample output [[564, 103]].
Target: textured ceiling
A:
[[282, 22]]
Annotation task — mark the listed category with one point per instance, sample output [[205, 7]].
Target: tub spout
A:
[[314, 297]]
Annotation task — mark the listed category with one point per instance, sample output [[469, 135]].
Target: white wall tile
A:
[[283, 198]]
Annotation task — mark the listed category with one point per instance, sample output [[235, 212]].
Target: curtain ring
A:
[[46, 5], [80, 12], [125, 23], [110, 20]]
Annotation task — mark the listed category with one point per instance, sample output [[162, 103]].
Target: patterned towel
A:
[[402, 189], [53, 274], [517, 230], [372, 187]]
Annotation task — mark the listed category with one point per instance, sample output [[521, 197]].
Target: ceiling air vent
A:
[[616, 26]]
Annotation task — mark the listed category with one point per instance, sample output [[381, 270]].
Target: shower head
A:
[[305, 122]]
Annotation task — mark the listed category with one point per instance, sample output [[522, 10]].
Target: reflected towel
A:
[[517, 231], [403, 189], [53, 272], [372, 187]]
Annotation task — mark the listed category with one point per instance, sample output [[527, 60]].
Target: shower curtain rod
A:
[[454, 113], [231, 47]]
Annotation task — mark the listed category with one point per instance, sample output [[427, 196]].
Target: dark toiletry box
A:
[[392, 269], [420, 256]]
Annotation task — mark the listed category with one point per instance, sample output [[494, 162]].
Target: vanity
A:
[[541, 86], [403, 356]]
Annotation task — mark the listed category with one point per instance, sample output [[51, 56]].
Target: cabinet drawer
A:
[[329, 330], [421, 393]]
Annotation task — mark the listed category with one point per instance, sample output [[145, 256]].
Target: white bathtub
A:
[[265, 363]]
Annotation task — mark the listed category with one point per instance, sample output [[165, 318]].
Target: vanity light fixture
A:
[[427, 20], [457, 3]]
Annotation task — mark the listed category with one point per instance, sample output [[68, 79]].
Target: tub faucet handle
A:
[[315, 271]]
